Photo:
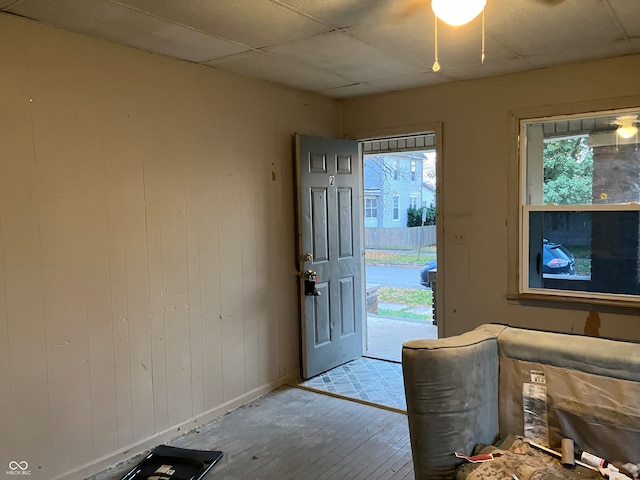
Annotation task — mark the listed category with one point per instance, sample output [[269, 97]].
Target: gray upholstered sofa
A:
[[470, 389]]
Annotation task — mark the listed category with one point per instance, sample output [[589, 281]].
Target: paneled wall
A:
[[147, 275]]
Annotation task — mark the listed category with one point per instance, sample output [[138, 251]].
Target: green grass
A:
[[404, 314], [400, 257], [409, 297]]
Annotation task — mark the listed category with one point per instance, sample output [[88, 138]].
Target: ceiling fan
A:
[[456, 13], [410, 6]]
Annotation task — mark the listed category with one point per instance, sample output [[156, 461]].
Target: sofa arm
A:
[[451, 388]]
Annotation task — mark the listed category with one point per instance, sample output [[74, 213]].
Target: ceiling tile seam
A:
[[304, 14], [333, 27], [516, 55], [227, 58], [188, 27], [367, 84], [264, 50], [614, 16], [12, 4], [386, 52], [345, 32], [224, 39]]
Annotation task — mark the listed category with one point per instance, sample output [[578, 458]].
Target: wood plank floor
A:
[[296, 434]]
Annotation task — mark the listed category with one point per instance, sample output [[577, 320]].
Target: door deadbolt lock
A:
[[310, 281], [308, 257]]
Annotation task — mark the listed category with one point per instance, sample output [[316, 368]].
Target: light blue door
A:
[[329, 225]]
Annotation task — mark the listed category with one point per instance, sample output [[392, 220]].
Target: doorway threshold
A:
[[366, 380], [382, 357]]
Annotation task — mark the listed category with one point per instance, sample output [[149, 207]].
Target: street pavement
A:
[[392, 276]]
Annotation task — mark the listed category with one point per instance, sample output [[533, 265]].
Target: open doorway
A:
[[399, 178], [332, 204]]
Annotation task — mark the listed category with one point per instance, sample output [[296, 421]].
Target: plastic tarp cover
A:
[[600, 414]]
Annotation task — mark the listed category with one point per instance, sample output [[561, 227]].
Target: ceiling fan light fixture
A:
[[628, 131], [457, 12], [626, 126]]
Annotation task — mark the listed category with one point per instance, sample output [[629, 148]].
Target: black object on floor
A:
[[173, 463]]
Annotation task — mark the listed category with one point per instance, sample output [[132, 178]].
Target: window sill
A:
[[621, 306]]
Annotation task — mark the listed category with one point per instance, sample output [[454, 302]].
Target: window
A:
[[580, 206], [413, 201], [413, 170], [396, 207], [395, 169], [370, 207]]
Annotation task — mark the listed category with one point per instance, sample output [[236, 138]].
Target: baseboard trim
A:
[[143, 446]]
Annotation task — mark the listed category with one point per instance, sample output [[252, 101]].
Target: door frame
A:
[[405, 131]]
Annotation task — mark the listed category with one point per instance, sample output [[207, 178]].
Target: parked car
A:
[[424, 273], [556, 260]]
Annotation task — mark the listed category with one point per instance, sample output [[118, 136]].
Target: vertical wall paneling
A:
[[128, 152], [265, 298], [287, 339], [57, 179], [153, 194], [230, 188], [210, 284], [7, 440], [97, 281], [197, 182], [15, 138], [132, 152], [27, 385], [175, 279], [145, 245], [118, 283], [206, 175], [251, 245], [194, 301]]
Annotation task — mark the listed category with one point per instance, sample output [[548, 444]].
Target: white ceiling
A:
[[346, 48]]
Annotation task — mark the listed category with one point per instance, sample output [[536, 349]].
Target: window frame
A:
[[395, 211], [523, 290], [371, 198]]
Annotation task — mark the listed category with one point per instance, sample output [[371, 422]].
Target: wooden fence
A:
[[406, 238]]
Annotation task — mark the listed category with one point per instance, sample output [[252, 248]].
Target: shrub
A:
[[414, 216]]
